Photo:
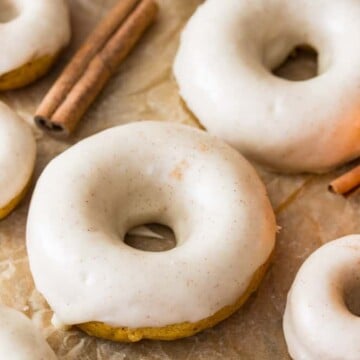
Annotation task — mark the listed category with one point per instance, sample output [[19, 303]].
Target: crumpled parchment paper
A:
[[144, 88]]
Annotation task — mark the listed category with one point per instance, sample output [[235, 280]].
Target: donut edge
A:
[[174, 331], [10, 206], [27, 73]]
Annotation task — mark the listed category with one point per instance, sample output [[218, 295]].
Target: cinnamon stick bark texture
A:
[[93, 65], [347, 182]]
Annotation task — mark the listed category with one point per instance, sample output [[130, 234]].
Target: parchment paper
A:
[[145, 89]]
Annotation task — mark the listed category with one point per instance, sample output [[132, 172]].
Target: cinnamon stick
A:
[[346, 182], [93, 65]]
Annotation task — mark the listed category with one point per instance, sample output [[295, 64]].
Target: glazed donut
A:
[[142, 173], [223, 68], [32, 34], [317, 322], [19, 338], [17, 159]]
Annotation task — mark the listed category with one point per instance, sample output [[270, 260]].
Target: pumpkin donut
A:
[[19, 338], [17, 159], [224, 66], [142, 173], [318, 322], [32, 33]]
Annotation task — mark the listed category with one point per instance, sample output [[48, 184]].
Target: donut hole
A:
[[8, 11], [151, 237], [352, 296], [299, 65]]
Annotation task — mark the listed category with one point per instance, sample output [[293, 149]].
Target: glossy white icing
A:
[[17, 155], [19, 338], [223, 68], [35, 29], [317, 322], [91, 195]]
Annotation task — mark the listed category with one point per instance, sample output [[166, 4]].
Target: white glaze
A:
[[223, 68], [17, 155], [317, 323], [91, 195], [41, 27], [19, 338]]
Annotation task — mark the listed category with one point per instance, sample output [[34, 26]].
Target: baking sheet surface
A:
[[144, 88]]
